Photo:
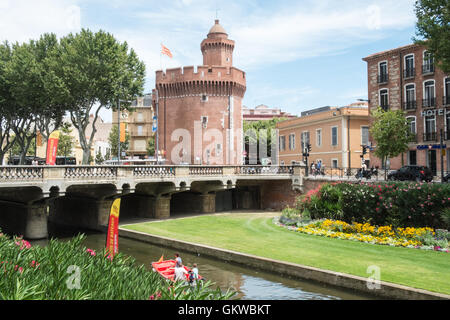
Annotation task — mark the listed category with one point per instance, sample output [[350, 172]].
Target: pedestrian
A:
[[312, 167], [178, 261], [180, 273], [195, 271]]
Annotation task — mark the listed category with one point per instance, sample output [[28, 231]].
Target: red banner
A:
[[112, 237], [52, 147]]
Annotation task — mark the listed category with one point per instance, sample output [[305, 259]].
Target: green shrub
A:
[[69, 271], [399, 204]]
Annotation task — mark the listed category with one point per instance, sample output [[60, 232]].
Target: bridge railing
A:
[[11, 173]]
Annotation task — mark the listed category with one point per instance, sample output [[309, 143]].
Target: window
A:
[[204, 121], [384, 99], [304, 139], [447, 91], [282, 143], [447, 126], [334, 163], [428, 63], [319, 137], [410, 97], [430, 128], [334, 136], [428, 94], [140, 117], [412, 157], [218, 149], [204, 98], [412, 124], [364, 135], [409, 66], [139, 130], [292, 141], [382, 72]]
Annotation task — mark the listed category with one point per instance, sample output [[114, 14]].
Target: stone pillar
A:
[[162, 207], [103, 210], [36, 224], [208, 202]]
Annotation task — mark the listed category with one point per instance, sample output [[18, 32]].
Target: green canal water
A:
[[249, 283]]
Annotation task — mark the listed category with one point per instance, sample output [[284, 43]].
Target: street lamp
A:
[[118, 128], [155, 128]]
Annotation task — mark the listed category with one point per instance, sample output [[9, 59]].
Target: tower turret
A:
[[217, 49]]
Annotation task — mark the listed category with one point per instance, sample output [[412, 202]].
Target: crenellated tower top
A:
[[217, 49]]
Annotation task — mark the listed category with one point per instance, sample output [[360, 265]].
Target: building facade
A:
[[138, 123], [406, 78], [336, 135], [263, 112], [200, 108]]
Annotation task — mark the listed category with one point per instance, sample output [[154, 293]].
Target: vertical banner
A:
[[122, 132], [112, 237], [52, 147]]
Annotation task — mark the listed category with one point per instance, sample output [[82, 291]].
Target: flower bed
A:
[[423, 238], [400, 204]]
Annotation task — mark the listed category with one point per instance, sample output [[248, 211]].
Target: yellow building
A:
[[138, 124], [336, 135]]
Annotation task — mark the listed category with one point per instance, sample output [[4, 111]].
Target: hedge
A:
[[400, 204]]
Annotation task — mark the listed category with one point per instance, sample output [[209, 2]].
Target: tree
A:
[[99, 158], [433, 26], [66, 140], [112, 139], [253, 131], [7, 107], [151, 146], [391, 133], [34, 90], [97, 71]]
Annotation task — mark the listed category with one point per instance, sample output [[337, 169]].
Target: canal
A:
[[249, 284]]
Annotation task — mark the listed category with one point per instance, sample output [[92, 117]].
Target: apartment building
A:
[[407, 78], [138, 124], [336, 135]]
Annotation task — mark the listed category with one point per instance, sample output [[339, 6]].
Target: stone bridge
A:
[[81, 196]]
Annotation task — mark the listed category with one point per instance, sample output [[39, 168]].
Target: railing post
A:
[[182, 171], [52, 173]]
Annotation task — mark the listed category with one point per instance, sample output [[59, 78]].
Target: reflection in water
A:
[[250, 284]]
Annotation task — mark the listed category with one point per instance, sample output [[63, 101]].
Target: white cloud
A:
[[21, 20]]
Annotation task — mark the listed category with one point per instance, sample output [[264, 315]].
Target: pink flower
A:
[[92, 252], [152, 297]]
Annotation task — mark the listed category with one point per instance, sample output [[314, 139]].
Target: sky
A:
[[297, 55]]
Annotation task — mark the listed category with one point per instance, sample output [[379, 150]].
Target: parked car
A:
[[414, 173]]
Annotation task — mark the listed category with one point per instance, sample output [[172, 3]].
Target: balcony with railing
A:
[[428, 68], [447, 134], [409, 73], [385, 107], [141, 133], [430, 136], [410, 105], [429, 103], [446, 100], [383, 78]]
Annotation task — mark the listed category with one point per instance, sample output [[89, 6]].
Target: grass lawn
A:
[[254, 233]]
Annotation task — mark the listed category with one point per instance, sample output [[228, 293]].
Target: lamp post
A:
[[118, 128]]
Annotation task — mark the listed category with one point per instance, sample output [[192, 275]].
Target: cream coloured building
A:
[[336, 135]]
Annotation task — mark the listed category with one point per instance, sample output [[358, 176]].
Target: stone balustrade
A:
[[21, 173]]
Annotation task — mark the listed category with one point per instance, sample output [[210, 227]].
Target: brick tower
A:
[[200, 109]]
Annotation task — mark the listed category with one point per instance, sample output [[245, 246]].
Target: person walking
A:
[[178, 261]]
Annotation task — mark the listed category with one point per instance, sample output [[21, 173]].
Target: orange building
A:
[[336, 135]]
